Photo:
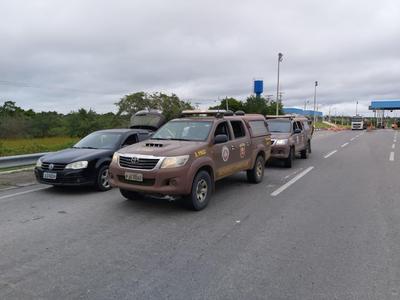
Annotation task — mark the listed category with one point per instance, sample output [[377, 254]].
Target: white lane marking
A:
[[23, 193], [344, 145], [352, 139], [16, 171], [391, 156], [290, 182], [330, 153], [294, 173], [393, 146]]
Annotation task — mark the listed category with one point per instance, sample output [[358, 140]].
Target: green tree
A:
[[233, 104], [170, 105]]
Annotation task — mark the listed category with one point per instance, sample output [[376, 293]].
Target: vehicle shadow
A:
[[71, 190], [157, 206]]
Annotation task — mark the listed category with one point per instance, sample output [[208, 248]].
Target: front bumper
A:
[[172, 181], [280, 151], [66, 177]]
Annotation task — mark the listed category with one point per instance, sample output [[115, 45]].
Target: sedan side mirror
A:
[[220, 139], [297, 130]]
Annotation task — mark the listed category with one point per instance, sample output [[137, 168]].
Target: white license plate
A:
[[133, 176], [48, 175]]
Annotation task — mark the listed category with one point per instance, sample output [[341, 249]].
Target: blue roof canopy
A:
[[385, 104], [299, 111]]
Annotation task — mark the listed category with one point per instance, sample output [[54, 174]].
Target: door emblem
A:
[[225, 153], [242, 148]]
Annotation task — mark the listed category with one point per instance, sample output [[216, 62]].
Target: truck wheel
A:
[[130, 195], [256, 174], [304, 153], [289, 160], [102, 182], [201, 191]]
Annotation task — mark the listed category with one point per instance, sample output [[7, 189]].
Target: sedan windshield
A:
[[279, 126], [184, 131], [99, 140]]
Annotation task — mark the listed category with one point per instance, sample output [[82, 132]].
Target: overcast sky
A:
[[63, 55]]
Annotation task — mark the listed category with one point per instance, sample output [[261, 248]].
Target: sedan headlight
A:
[[115, 158], [77, 165], [174, 161], [39, 163], [282, 142]]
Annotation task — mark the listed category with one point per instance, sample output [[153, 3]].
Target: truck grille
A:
[[138, 162], [53, 166]]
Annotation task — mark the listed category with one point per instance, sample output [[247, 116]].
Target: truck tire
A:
[[304, 153], [102, 183], [256, 174], [289, 160], [130, 195], [201, 191]]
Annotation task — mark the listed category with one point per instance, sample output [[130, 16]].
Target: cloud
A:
[[64, 55]]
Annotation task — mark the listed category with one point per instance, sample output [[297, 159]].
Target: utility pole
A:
[[280, 57], [357, 108], [226, 102], [315, 99], [305, 104]]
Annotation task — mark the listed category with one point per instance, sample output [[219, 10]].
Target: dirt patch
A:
[[17, 179]]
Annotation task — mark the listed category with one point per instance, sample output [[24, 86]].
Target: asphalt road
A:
[[329, 228]]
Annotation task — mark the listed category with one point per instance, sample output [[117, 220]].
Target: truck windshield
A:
[[278, 126], [99, 140], [356, 119], [184, 131]]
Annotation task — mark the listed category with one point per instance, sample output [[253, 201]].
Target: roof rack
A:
[[280, 116], [206, 113]]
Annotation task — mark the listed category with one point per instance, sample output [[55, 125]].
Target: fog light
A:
[[173, 182]]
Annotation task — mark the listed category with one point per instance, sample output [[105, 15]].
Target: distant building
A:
[[299, 111]]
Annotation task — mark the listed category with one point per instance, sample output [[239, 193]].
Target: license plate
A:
[[47, 175], [134, 176]]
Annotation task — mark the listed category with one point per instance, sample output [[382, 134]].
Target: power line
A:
[[28, 85]]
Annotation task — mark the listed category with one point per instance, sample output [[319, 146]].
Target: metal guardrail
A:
[[20, 160]]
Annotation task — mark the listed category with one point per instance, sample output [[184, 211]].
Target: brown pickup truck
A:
[[290, 135], [187, 155]]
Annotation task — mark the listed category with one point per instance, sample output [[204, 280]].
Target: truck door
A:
[[222, 153], [296, 137], [303, 135], [241, 148]]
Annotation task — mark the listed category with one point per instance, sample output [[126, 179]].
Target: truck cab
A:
[[290, 135]]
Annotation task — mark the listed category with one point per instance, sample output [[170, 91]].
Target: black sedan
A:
[[86, 163]]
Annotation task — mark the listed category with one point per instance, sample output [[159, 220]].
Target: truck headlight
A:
[[174, 161], [77, 165], [282, 142], [115, 158], [39, 163]]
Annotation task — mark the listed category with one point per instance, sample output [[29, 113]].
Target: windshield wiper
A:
[[88, 148], [176, 139]]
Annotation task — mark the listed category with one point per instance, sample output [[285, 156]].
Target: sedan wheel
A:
[[103, 183]]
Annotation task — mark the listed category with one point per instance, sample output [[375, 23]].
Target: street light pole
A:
[[356, 107], [280, 56], [315, 99]]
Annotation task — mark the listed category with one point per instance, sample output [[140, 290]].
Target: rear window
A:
[[238, 129], [258, 128]]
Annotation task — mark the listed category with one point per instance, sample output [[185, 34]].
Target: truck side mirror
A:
[[220, 139]]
